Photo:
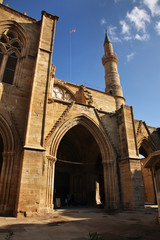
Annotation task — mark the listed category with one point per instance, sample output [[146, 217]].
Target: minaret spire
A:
[[112, 81], [107, 39]]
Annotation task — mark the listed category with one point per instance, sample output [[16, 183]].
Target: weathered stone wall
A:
[[149, 188], [15, 101], [36, 121], [15, 98], [130, 167]]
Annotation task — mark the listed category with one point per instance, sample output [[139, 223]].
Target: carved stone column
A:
[[50, 182]]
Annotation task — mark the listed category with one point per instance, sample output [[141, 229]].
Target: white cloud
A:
[[112, 33], [130, 56], [139, 17], [112, 30], [103, 21], [157, 27], [127, 38], [153, 6], [125, 27], [134, 25], [143, 37]]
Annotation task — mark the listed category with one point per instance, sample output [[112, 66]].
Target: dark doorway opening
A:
[[79, 171]]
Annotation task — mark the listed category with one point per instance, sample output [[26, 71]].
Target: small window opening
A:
[[16, 45], [110, 92], [10, 35]]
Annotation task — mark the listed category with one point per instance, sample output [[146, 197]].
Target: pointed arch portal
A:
[[79, 171], [85, 165]]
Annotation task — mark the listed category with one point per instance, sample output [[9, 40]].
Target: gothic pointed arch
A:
[[7, 150], [144, 139], [108, 157], [7, 135], [145, 146], [104, 144]]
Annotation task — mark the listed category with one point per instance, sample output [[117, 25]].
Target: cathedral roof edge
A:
[[54, 17], [7, 8]]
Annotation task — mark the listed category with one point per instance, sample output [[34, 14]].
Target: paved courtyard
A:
[[75, 224]]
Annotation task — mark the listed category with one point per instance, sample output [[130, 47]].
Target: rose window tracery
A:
[[61, 93], [10, 51]]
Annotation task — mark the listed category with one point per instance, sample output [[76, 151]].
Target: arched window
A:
[[10, 52]]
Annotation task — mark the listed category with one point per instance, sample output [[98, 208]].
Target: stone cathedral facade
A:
[[59, 138]]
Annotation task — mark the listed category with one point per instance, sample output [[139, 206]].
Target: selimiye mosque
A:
[[59, 138]]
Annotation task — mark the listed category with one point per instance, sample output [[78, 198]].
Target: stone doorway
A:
[[79, 170]]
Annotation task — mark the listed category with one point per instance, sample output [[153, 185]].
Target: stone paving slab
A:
[[75, 224]]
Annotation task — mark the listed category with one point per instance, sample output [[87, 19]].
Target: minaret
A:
[[112, 81]]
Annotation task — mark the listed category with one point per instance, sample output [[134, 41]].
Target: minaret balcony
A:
[[109, 58]]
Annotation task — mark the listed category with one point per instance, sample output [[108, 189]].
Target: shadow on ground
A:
[[75, 224]]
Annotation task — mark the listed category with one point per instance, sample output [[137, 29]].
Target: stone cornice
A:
[[54, 17], [130, 158], [17, 13], [34, 148]]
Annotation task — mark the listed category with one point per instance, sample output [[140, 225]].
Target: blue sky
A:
[[134, 28]]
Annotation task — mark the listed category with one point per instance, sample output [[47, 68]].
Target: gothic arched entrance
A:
[[83, 141], [79, 170]]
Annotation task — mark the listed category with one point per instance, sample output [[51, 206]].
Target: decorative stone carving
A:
[[87, 95], [61, 93]]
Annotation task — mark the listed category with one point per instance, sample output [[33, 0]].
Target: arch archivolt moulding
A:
[[144, 135], [140, 140], [7, 135], [102, 140], [8, 156], [9, 131], [147, 144]]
